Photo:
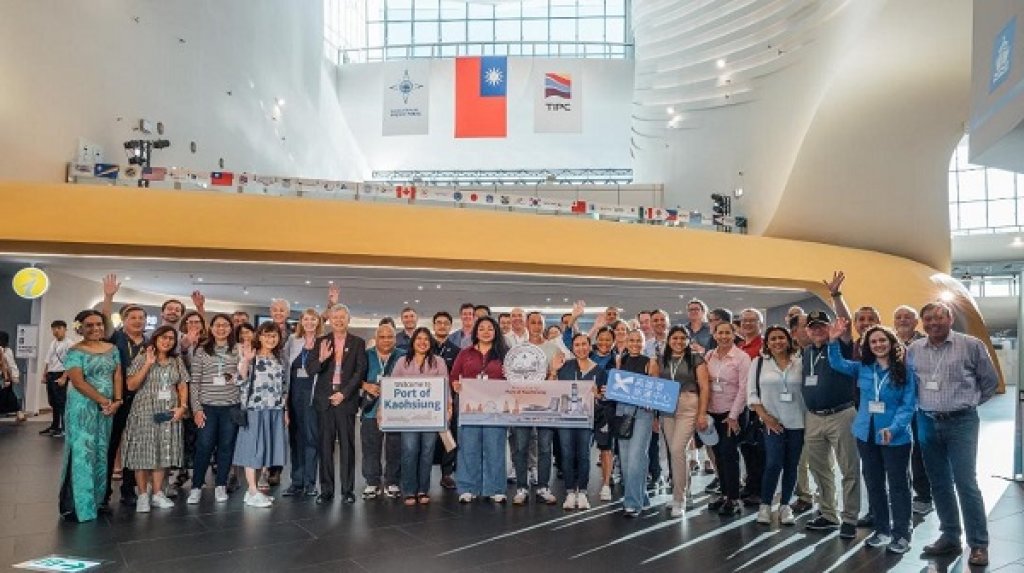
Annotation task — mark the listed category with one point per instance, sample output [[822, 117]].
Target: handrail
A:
[[537, 48]]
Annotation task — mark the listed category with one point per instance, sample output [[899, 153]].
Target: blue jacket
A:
[[900, 402]]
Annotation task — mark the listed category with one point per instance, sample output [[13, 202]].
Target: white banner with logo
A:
[[405, 96], [557, 98], [413, 404]]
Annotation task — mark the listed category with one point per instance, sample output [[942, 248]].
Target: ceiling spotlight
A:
[[245, 291], [127, 278], [565, 300], [549, 299], [200, 279], [308, 282], [720, 63], [671, 110], [419, 287], [330, 282], [438, 286], [405, 302], [417, 301], [737, 192]]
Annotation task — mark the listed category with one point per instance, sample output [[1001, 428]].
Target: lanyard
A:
[[382, 364], [939, 364], [673, 368], [785, 377], [879, 383], [815, 359]]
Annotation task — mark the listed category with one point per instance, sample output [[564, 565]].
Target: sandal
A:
[[117, 475], [410, 500], [424, 499]]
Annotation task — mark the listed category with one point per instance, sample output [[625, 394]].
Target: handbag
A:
[[624, 425], [8, 401], [754, 427], [238, 414]]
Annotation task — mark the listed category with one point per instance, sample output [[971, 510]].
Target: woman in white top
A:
[[774, 393]]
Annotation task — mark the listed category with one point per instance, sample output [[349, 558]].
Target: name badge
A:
[[221, 379], [876, 407], [716, 386], [300, 372], [932, 384], [164, 394], [786, 397], [811, 380]]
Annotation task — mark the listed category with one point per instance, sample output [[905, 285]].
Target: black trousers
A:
[[57, 395], [128, 478], [919, 476], [337, 423]]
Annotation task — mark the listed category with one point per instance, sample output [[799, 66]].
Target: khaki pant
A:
[[803, 480], [679, 431], [824, 435]]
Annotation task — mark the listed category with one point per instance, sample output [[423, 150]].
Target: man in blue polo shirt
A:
[[829, 396]]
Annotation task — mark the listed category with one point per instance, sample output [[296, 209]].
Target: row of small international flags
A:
[[380, 190]]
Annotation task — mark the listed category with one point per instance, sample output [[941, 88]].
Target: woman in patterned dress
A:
[[93, 398], [154, 440]]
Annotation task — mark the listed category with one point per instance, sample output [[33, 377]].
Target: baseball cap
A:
[[709, 436], [818, 316]]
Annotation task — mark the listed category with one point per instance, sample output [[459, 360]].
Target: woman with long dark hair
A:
[[418, 447], [681, 364], [153, 438], [575, 442], [481, 460], [728, 368], [263, 382], [304, 430], [888, 398], [94, 395], [774, 393], [213, 394]]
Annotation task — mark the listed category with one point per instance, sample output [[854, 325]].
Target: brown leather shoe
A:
[[979, 556], [800, 507], [942, 546]]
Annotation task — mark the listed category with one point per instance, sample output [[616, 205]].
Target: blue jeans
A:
[[219, 433], [306, 453], [575, 445], [633, 455], [781, 457], [481, 462], [882, 464], [417, 457], [521, 456], [950, 451]]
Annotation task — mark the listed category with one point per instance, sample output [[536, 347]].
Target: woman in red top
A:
[[480, 469]]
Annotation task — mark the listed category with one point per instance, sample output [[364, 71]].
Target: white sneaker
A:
[[545, 495], [220, 494], [160, 501], [466, 498], [570, 501], [142, 504], [581, 500], [392, 491], [786, 515], [258, 500], [606, 493], [677, 510], [500, 498], [195, 495], [520, 497], [764, 514]]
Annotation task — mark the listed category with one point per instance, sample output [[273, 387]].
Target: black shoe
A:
[[847, 531], [58, 434], [752, 500], [348, 497], [46, 432], [717, 504], [866, 522], [448, 482], [129, 499], [714, 487], [729, 508], [292, 490], [942, 546], [104, 509], [821, 523], [310, 491], [801, 507], [324, 498]]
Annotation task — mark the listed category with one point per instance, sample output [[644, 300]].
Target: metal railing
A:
[[543, 49]]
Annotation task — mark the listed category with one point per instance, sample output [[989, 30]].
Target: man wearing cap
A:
[[829, 396], [955, 375]]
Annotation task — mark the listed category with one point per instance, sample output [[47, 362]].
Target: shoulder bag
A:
[[754, 427], [238, 414]]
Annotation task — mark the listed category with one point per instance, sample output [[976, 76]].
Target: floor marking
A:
[[802, 554], [847, 555], [525, 529], [585, 519], [734, 525], [756, 540], [635, 534], [762, 555]]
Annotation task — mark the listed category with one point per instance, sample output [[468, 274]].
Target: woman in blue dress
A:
[[93, 398]]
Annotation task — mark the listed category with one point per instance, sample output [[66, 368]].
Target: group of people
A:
[[886, 404]]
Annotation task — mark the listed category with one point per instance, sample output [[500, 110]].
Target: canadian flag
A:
[[579, 207], [404, 192]]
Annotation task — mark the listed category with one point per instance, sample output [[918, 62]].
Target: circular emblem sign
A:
[[525, 362], [30, 283]]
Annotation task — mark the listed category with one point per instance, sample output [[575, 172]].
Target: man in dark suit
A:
[[339, 365]]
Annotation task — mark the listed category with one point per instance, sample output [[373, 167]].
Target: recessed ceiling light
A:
[[296, 303], [309, 282], [438, 286], [245, 291], [419, 287], [549, 299], [127, 278], [405, 302], [566, 299], [417, 301], [720, 63], [330, 282], [200, 279], [671, 110]]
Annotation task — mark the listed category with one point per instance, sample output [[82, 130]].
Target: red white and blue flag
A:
[[481, 102]]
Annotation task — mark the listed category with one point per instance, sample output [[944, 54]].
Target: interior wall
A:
[[606, 90], [14, 310], [212, 72]]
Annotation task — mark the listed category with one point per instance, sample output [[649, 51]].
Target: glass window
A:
[[507, 30], [1001, 184], [972, 215], [997, 286], [535, 9], [563, 30], [954, 221], [427, 10], [453, 10], [591, 30], [590, 8], [563, 8], [477, 10], [1002, 213], [399, 33], [508, 10], [481, 31], [972, 184], [452, 32], [535, 30], [426, 33], [615, 30]]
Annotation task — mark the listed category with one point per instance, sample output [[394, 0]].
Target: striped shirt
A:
[[213, 378], [960, 366]]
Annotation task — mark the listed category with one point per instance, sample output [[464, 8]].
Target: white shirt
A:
[[12, 364], [512, 339], [56, 354]]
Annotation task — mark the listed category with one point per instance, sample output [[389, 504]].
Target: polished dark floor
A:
[[382, 535]]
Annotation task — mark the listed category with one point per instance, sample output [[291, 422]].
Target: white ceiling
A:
[[373, 291]]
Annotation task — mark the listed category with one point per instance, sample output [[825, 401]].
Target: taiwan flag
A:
[[222, 178], [480, 96]]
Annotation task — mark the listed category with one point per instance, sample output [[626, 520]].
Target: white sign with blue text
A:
[[641, 390], [413, 404]]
